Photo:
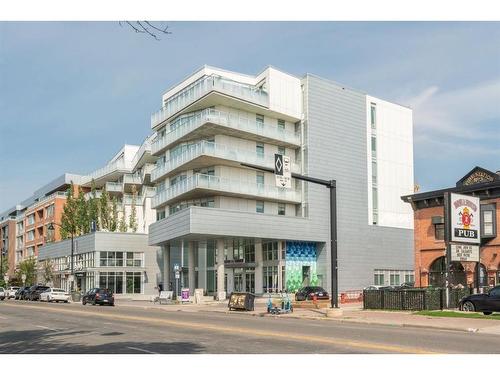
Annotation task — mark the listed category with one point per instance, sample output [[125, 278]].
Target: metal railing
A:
[[203, 181], [145, 147], [203, 86], [132, 179], [185, 125], [219, 151], [114, 187], [117, 165]]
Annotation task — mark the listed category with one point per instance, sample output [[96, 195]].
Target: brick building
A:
[[429, 232]]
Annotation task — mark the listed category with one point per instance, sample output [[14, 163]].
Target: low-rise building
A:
[[429, 248]]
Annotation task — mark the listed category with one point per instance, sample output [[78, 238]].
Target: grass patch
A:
[[458, 314]]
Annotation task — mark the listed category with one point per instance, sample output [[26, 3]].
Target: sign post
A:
[[177, 269], [462, 233], [23, 277], [282, 165]]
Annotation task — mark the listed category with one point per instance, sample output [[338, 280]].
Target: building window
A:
[[281, 125], [259, 119], [134, 259], [49, 211], [281, 208], [259, 207], [409, 278], [31, 235], [111, 259], [281, 150], [488, 222], [270, 279], [270, 250], [394, 278], [439, 232], [374, 146], [374, 172], [378, 279], [259, 149], [160, 215], [260, 179], [250, 253], [374, 205], [31, 219], [112, 281], [373, 115], [133, 282]]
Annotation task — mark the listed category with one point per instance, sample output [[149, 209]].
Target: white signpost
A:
[[283, 171], [465, 219]]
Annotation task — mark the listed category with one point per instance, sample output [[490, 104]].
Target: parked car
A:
[[99, 296], [486, 303], [11, 292], [54, 294], [33, 293], [20, 292], [2, 294], [308, 292], [407, 285], [372, 287]]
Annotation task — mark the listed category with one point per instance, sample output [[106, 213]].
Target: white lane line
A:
[[50, 329], [141, 350]]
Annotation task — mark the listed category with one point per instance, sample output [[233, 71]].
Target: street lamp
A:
[[51, 227]]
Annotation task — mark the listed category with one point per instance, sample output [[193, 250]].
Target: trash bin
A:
[[76, 296], [241, 301]]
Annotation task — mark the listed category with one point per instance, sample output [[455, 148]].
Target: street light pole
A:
[[332, 185]]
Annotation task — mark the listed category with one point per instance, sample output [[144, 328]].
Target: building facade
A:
[[429, 220], [121, 262], [230, 228]]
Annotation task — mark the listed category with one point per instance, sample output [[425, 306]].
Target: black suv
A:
[[99, 296], [21, 293], [308, 292], [33, 293]]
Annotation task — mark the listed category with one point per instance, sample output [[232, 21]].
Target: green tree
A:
[[122, 224], [133, 213], [4, 269], [113, 224], [104, 210], [82, 218], [93, 206], [27, 267], [48, 271], [69, 221]]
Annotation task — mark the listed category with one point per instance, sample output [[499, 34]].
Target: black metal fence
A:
[[412, 299]]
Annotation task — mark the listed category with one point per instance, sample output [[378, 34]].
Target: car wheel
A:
[[468, 306], [487, 313], [93, 302], [84, 302]]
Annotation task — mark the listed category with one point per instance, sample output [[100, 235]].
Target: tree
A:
[[146, 27], [113, 224], [82, 215], [133, 213], [122, 225], [27, 267], [104, 211], [5, 268], [93, 206], [48, 271], [69, 221]]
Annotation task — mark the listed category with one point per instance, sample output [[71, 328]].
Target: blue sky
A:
[[71, 94]]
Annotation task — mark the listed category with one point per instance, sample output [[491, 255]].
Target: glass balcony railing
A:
[[218, 151], [118, 165], [114, 187], [186, 125], [225, 185], [132, 179], [203, 86]]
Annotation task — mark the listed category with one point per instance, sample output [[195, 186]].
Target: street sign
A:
[[177, 267], [465, 218], [282, 171], [464, 253], [177, 275]]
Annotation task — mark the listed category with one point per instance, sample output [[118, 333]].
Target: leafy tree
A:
[[4, 270], [113, 224], [93, 206], [82, 218], [104, 210], [27, 267], [122, 225], [48, 271], [69, 218], [133, 213]]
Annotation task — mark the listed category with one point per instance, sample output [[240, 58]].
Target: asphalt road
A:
[[38, 327]]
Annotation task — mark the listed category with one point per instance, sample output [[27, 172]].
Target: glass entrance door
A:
[[238, 282]]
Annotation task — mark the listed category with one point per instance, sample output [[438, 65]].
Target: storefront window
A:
[[270, 250], [270, 281], [133, 282], [112, 281]]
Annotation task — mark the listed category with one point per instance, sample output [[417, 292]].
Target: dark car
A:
[[308, 292], [484, 302], [33, 293], [407, 285], [21, 293], [99, 296]]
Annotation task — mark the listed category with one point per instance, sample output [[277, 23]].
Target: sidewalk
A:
[[350, 312]]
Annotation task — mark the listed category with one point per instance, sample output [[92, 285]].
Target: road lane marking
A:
[[141, 350], [2, 317], [50, 329], [245, 331]]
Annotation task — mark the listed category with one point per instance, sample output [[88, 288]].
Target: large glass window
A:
[[134, 259], [270, 250], [270, 279], [259, 207], [281, 208], [112, 281], [116, 259], [379, 279], [133, 282]]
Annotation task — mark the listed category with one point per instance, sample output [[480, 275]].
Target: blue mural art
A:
[[300, 256]]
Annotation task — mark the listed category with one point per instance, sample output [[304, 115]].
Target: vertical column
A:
[[191, 267], [166, 267], [202, 265], [258, 267], [221, 291]]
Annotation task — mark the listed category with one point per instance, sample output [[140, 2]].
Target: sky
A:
[[72, 93]]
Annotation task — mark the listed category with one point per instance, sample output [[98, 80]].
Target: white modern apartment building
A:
[[229, 228]]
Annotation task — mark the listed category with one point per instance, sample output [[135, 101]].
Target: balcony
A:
[[132, 179], [203, 153], [114, 187], [211, 122], [206, 183], [202, 87], [57, 194], [115, 168]]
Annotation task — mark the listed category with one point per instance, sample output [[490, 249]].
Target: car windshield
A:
[[104, 291]]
